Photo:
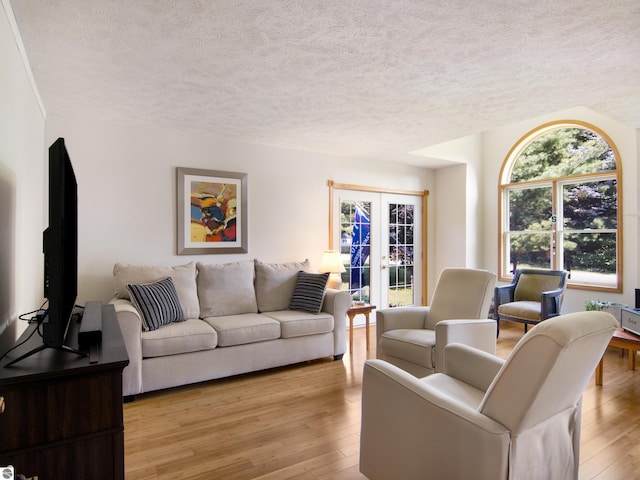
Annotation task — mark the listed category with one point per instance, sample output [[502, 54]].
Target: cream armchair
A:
[[413, 338], [485, 418]]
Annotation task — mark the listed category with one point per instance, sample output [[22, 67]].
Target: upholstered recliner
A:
[[534, 295], [413, 338], [486, 418]]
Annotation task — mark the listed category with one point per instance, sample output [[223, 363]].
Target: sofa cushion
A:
[[226, 289], [192, 335], [298, 324], [275, 283], [309, 292], [183, 276], [245, 328], [157, 303]]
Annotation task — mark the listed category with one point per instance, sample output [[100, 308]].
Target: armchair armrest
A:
[[397, 318], [337, 302], [470, 365], [477, 333], [502, 294], [550, 303], [409, 427]]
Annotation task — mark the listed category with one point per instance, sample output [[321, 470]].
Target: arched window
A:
[[560, 191]]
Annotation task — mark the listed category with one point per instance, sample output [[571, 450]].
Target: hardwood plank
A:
[[303, 423]]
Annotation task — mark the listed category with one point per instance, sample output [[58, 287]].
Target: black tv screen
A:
[[60, 245]]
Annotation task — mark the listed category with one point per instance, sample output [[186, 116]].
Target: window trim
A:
[[504, 184]]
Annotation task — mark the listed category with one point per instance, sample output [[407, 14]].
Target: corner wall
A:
[[451, 235], [459, 207]]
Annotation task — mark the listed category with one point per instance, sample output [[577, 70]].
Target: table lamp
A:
[[332, 263]]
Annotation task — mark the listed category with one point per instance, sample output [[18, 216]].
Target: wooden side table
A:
[[625, 340], [351, 313]]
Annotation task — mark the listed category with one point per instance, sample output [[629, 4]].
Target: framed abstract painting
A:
[[212, 211]]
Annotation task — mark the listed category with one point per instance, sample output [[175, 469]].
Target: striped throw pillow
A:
[[309, 292], [157, 303]]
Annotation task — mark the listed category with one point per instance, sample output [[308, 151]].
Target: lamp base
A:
[[335, 281]]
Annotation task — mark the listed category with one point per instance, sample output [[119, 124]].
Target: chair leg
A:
[[525, 327]]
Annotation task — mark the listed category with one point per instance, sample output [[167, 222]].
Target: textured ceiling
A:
[[365, 78]]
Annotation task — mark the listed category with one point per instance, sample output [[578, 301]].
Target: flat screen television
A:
[[60, 247]]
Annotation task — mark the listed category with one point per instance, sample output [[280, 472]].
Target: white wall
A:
[[127, 193], [21, 188], [126, 179], [496, 145]]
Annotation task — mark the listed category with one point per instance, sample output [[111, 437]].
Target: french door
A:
[[379, 235]]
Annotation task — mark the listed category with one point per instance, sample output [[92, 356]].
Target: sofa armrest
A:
[[131, 327], [337, 302], [477, 333], [470, 365]]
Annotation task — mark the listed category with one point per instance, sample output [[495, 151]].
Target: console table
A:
[[62, 415]]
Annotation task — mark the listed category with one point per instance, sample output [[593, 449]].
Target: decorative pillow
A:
[[183, 277], [226, 289], [309, 292], [275, 283], [157, 303]]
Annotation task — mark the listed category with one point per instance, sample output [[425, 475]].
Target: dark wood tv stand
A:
[[62, 415]]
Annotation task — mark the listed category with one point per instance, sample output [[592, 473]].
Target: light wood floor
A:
[[303, 423]]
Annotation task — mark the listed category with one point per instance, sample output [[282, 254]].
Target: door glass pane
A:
[[355, 247], [400, 254]]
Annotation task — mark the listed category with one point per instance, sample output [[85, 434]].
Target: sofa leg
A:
[[128, 398], [338, 357]]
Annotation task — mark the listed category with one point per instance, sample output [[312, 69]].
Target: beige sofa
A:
[[236, 319]]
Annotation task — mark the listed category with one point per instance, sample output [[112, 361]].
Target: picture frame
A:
[[211, 211]]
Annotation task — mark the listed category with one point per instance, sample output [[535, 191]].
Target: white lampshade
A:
[[332, 263]]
